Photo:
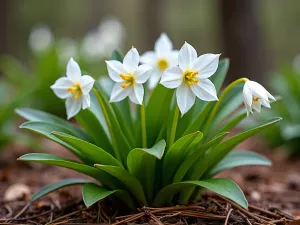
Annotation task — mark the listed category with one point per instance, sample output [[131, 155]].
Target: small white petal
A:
[[185, 98], [163, 44], [73, 71], [138, 91], [86, 101], [86, 84], [248, 109], [73, 106], [207, 65], [257, 89], [205, 90], [131, 60], [133, 98], [256, 106], [265, 103], [172, 77], [247, 94], [142, 73], [187, 56], [115, 68], [118, 93], [173, 58], [60, 87], [154, 79], [149, 58]]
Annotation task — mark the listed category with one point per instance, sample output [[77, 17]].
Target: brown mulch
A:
[[273, 194]]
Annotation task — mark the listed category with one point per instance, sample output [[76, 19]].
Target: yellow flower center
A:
[[189, 77], [255, 99], [162, 64], [129, 80], [75, 90]]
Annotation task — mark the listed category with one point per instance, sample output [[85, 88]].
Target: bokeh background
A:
[[257, 35]]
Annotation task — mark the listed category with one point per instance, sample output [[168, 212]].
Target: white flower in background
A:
[[101, 42], [255, 95], [160, 59], [41, 39], [191, 77], [296, 63], [67, 48], [74, 88], [129, 77]]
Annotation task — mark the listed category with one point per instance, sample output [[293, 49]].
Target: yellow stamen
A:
[[255, 99], [162, 64], [189, 77], [128, 78], [75, 90]]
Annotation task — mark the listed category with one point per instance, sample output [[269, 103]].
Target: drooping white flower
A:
[[74, 88], [129, 77], [40, 39], [191, 77], [255, 95], [162, 58]]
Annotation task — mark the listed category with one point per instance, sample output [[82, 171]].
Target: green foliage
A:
[[110, 151]]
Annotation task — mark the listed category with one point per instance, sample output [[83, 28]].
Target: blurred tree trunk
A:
[[152, 14], [3, 26], [242, 39]]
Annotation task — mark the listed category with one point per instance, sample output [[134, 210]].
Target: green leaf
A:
[[93, 193], [116, 55], [40, 116], [176, 154], [219, 76], [43, 158], [233, 121], [94, 153], [221, 186], [216, 154], [157, 111], [192, 158], [141, 163], [132, 184], [55, 186], [239, 158]]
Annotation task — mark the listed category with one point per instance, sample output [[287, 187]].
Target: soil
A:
[[273, 194]]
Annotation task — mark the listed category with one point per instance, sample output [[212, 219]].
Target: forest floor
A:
[[273, 194]]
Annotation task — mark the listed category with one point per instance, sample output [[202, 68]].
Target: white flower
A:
[[129, 77], [74, 88], [41, 39], [160, 59], [256, 95], [191, 77], [66, 48]]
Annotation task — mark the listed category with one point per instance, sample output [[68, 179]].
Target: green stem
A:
[[109, 125], [217, 106], [143, 126], [174, 126]]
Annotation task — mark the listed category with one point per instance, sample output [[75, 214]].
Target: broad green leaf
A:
[[94, 128], [40, 116], [157, 111], [93, 193], [130, 181], [94, 153], [233, 121], [192, 158], [219, 76], [239, 158], [221, 186], [141, 163], [55, 186], [43, 158], [216, 154], [175, 155]]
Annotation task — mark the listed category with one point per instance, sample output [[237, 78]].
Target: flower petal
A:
[[142, 73], [185, 98], [172, 77], [86, 84], [205, 90], [256, 106], [154, 79], [118, 93], [163, 44], [207, 65], [60, 87], [248, 109], [73, 106], [86, 101], [115, 68], [137, 95], [149, 58], [131, 60], [73, 71], [257, 89], [265, 103], [187, 56], [247, 94]]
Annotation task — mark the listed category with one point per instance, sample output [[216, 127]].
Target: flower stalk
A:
[[174, 126], [143, 126]]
